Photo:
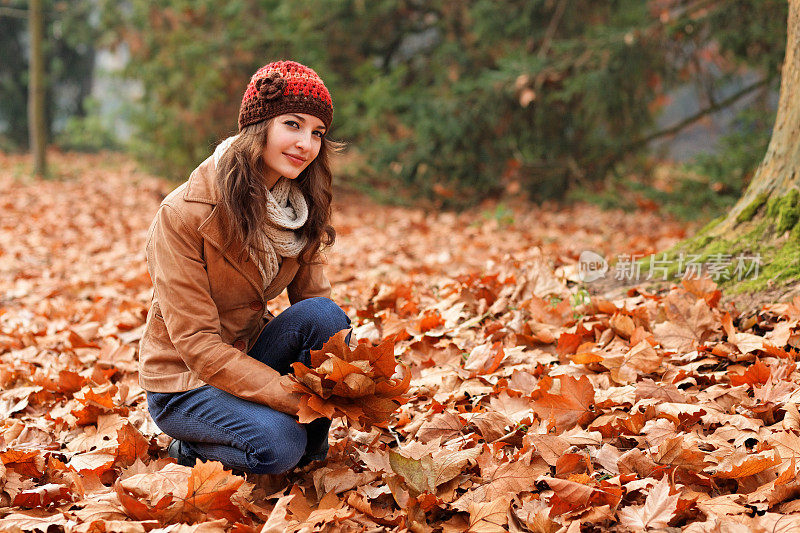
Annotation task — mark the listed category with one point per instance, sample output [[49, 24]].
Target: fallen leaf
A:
[[657, 511], [573, 406]]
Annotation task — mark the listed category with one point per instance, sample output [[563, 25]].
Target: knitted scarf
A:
[[287, 211]]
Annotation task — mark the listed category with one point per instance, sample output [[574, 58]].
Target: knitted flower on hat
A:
[[285, 87]]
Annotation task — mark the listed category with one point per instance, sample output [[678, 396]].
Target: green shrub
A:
[[89, 133]]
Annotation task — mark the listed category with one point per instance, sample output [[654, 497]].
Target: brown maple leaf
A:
[[573, 406], [757, 374], [676, 453], [29, 463], [42, 496], [739, 465], [96, 401], [132, 444], [657, 511], [209, 494], [746, 342], [433, 469], [690, 322], [139, 510]]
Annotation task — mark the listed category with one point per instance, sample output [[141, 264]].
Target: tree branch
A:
[[675, 128], [551, 29], [605, 164]]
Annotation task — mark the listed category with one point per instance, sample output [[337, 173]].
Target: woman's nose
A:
[[303, 140]]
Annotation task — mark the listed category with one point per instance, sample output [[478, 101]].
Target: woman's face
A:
[[293, 141]]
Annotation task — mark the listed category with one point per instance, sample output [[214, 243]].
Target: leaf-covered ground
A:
[[532, 407]]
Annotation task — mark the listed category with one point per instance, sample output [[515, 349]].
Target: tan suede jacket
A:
[[208, 307]]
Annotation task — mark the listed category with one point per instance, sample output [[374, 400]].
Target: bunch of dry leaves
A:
[[356, 384], [530, 407]]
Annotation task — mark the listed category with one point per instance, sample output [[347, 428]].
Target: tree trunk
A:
[[777, 175], [36, 118], [764, 225]]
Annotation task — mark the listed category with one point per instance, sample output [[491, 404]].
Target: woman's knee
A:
[[282, 450], [325, 313]]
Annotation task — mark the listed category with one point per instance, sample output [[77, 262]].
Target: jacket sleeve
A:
[[178, 271], [310, 281]]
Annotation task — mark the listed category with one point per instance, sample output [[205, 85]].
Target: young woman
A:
[[247, 224]]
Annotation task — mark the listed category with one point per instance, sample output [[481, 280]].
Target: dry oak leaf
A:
[[573, 406], [356, 384], [657, 511]]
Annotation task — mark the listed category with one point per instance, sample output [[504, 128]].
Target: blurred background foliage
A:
[[441, 102], [71, 36]]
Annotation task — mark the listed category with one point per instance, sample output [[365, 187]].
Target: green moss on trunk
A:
[[760, 236], [785, 210], [750, 211]]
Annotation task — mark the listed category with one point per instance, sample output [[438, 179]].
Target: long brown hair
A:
[[243, 192]]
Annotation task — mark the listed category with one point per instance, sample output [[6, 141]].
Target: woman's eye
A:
[[319, 134], [292, 123]]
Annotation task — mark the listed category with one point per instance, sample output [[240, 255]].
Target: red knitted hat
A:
[[284, 87]]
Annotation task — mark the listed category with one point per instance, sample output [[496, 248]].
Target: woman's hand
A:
[[284, 400]]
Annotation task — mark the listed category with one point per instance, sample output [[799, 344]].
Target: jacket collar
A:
[[202, 186], [203, 181]]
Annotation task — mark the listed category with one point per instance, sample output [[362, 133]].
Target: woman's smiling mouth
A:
[[295, 159]]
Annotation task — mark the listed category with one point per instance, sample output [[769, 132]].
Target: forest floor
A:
[[539, 401]]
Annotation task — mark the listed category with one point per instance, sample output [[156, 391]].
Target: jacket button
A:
[[256, 305], [240, 345]]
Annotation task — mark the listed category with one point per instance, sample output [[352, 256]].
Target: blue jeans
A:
[[215, 425]]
